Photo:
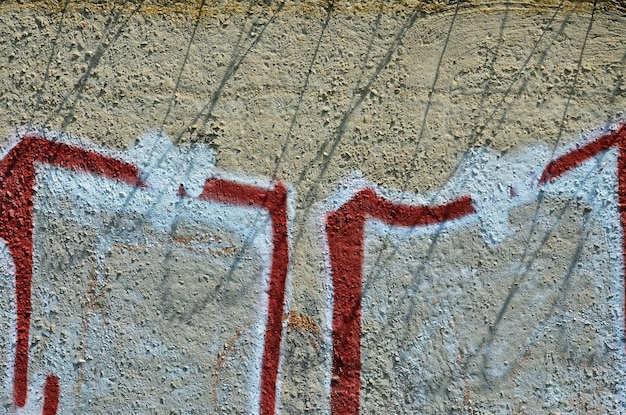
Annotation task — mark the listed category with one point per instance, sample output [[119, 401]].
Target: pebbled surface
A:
[[309, 93]]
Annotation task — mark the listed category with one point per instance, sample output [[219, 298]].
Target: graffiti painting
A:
[[389, 262], [52, 187]]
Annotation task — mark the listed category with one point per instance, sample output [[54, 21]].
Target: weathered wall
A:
[[312, 207]]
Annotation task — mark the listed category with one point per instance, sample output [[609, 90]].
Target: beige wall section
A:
[[496, 75], [310, 93]]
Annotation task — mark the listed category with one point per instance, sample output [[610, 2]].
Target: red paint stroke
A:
[[575, 158], [345, 235], [17, 188], [51, 395], [275, 202]]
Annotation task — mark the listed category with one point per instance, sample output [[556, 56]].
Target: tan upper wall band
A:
[[190, 8]]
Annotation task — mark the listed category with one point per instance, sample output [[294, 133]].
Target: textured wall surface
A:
[[312, 207]]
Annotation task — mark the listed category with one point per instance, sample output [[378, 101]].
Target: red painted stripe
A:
[[575, 158], [275, 201], [51, 395], [17, 181], [345, 236]]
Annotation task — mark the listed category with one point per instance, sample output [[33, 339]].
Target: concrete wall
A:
[[312, 207]]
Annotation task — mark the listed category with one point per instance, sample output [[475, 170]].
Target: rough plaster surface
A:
[[163, 328], [502, 314]]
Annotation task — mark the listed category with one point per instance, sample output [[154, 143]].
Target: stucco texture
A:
[[135, 316]]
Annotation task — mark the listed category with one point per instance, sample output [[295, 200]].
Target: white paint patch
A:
[[112, 353], [409, 271], [412, 293]]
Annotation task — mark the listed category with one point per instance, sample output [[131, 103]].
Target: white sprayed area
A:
[[106, 321], [449, 310], [8, 320], [595, 183], [449, 320], [498, 183], [8, 323]]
